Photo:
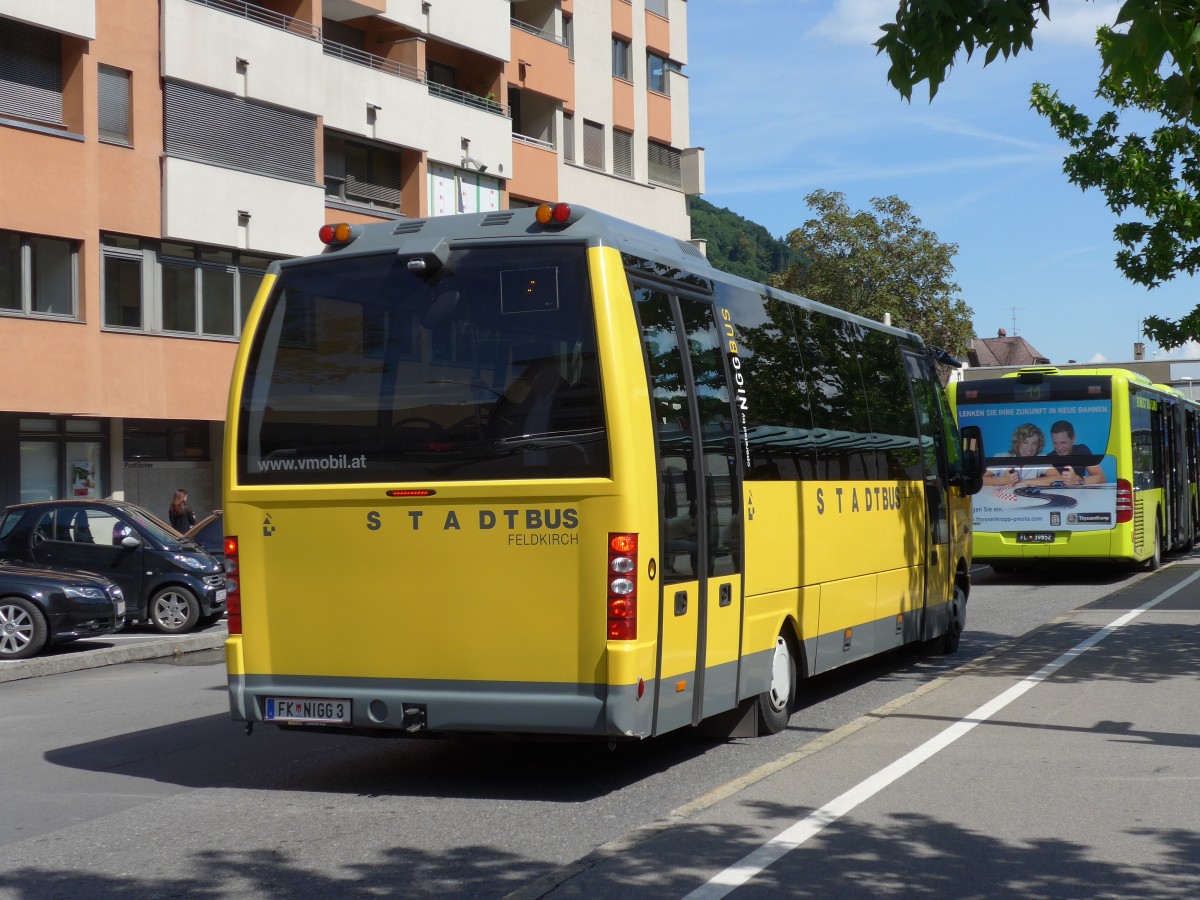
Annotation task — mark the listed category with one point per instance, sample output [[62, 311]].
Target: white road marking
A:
[[784, 842]]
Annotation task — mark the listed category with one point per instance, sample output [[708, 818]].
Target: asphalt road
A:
[[131, 779]]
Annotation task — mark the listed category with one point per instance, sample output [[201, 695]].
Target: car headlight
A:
[[191, 562], [85, 593]]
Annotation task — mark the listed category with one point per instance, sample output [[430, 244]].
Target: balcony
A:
[[540, 62], [255, 13], [371, 61], [278, 57]]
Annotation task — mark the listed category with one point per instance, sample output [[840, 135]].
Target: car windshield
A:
[[363, 371], [152, 527]]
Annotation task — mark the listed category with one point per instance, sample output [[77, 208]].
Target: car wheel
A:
[[174, 610], [22, 628]]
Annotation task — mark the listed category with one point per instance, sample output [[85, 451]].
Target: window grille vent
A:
[[239, 134], [30, 73]]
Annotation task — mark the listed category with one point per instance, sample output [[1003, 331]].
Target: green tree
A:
[[1150, 59], [877, 262]]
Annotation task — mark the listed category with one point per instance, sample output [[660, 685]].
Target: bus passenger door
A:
[[938, 564], [699, 510]]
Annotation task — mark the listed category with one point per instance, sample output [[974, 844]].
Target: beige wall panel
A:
[[74, 17], [547, 69], [74, 370], [535, 172]]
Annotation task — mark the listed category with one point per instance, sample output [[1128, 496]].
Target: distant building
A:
[[157, 156], [1003, 350]]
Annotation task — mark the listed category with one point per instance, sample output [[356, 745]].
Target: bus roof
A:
[[431, 236]]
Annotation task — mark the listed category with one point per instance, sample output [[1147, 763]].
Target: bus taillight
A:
[[233, 587], [1124, 501], [622, 587]]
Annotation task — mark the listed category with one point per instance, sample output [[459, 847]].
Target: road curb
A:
[[16, 670]]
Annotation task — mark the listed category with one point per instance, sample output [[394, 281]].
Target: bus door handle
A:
[[681, 603], [726, 595]]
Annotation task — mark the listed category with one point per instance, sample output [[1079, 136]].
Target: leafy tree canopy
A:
[[738, 245], [1151, 64], [878, 262]]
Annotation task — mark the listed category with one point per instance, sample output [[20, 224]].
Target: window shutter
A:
[[664, 165], [568, 142], [372, 175], [240, 134], [30, 73], [622, 153], [593, 144], [114, 104]]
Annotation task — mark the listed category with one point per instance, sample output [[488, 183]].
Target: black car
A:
[[43, 607], [168, 581]]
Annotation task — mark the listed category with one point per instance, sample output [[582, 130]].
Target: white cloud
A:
[[1098, 358], [1076, 24], [855, 21], [858, 21]]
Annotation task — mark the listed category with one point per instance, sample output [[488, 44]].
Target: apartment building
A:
[[156, 155]]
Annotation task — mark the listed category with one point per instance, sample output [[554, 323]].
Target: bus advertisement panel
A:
[[1048, 468]]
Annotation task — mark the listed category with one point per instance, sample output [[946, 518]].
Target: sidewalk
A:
[[76, 656]]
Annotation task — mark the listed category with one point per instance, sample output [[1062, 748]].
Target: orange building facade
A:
[[157, 155]]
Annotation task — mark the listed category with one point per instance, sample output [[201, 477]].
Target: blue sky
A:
[[788, 96]]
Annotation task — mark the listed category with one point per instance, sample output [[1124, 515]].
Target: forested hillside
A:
[[738, 245]]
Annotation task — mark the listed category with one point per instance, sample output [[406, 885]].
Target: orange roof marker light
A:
[[555, 214], [341, 233]]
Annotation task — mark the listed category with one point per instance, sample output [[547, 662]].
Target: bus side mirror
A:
[[971, 439]]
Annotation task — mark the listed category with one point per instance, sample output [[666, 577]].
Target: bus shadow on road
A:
[[213, 752]]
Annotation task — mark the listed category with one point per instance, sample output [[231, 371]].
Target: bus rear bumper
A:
[[1005, 547], [411, 706]]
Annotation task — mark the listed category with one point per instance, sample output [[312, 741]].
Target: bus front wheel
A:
[[775, 704], [956, 620]]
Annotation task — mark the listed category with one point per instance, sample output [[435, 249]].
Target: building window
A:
[[60, 458], [174, 440], [113, 91], [568, 142], [663, 165], [227, 131], [31, 85], [366, 174], [622, 55], [122, 282], [658, 7], [593, 144], [440, 73], [37, 275], [568, 26], [178, 288], [656, 74], [622, 153]]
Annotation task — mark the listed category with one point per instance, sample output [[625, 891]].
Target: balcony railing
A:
[[371, 61], [532, 141], [538, 32], [255, 13], [467, 99]]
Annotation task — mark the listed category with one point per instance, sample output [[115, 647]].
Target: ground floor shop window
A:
[[61, 458]]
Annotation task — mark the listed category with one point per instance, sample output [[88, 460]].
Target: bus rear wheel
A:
[[776, 703], [1155, 559]]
